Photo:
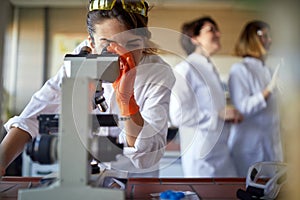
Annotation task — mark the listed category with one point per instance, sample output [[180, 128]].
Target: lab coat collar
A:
[[254, 61], [199, 58]]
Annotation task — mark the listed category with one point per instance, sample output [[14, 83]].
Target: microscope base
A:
[[71, 192]]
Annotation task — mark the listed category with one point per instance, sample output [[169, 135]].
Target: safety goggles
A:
[[274, 174], [264, 35], [133, 6]]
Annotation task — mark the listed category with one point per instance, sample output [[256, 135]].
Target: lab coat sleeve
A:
[[191, 100], [193, 109], [44, 101], [247, 102], [150, 145]]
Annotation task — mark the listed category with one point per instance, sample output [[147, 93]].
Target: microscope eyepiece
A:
[[85, 50]]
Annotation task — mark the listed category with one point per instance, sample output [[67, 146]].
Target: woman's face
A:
[[265, 38], [208, 38], [113, 30]]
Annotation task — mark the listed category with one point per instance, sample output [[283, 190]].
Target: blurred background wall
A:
[[41, 32]]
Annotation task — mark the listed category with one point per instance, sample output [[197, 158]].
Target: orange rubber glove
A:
[[124, 84]]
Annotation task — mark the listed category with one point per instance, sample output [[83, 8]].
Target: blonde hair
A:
[[249, 43]]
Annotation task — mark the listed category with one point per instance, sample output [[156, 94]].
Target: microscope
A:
[[83, 85]]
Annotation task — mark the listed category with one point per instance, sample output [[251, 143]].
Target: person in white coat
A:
[[198, 104], [252, 87], [141, 94]]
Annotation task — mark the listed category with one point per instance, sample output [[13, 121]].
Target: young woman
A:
[[198, 104], [253, 92], [141, 93]]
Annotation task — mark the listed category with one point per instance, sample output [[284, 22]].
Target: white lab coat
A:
[[257, 138], [196, 100], [152, 90]]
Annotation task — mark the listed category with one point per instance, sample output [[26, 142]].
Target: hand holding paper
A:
[[273, 83]]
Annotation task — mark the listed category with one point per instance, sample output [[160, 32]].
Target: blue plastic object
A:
[[171, 195]]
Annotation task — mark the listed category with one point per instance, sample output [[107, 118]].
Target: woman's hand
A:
[[231, 114], [125, 93], [124, 84]]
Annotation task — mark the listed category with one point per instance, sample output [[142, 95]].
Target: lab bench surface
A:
[[141, 188]]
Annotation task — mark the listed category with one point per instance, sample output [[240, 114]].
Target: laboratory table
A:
[[141, 188]]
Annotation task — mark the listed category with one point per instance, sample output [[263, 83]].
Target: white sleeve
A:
[[193, 111], [240, 91], [44, 101], [191, 103], [153, 97]]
